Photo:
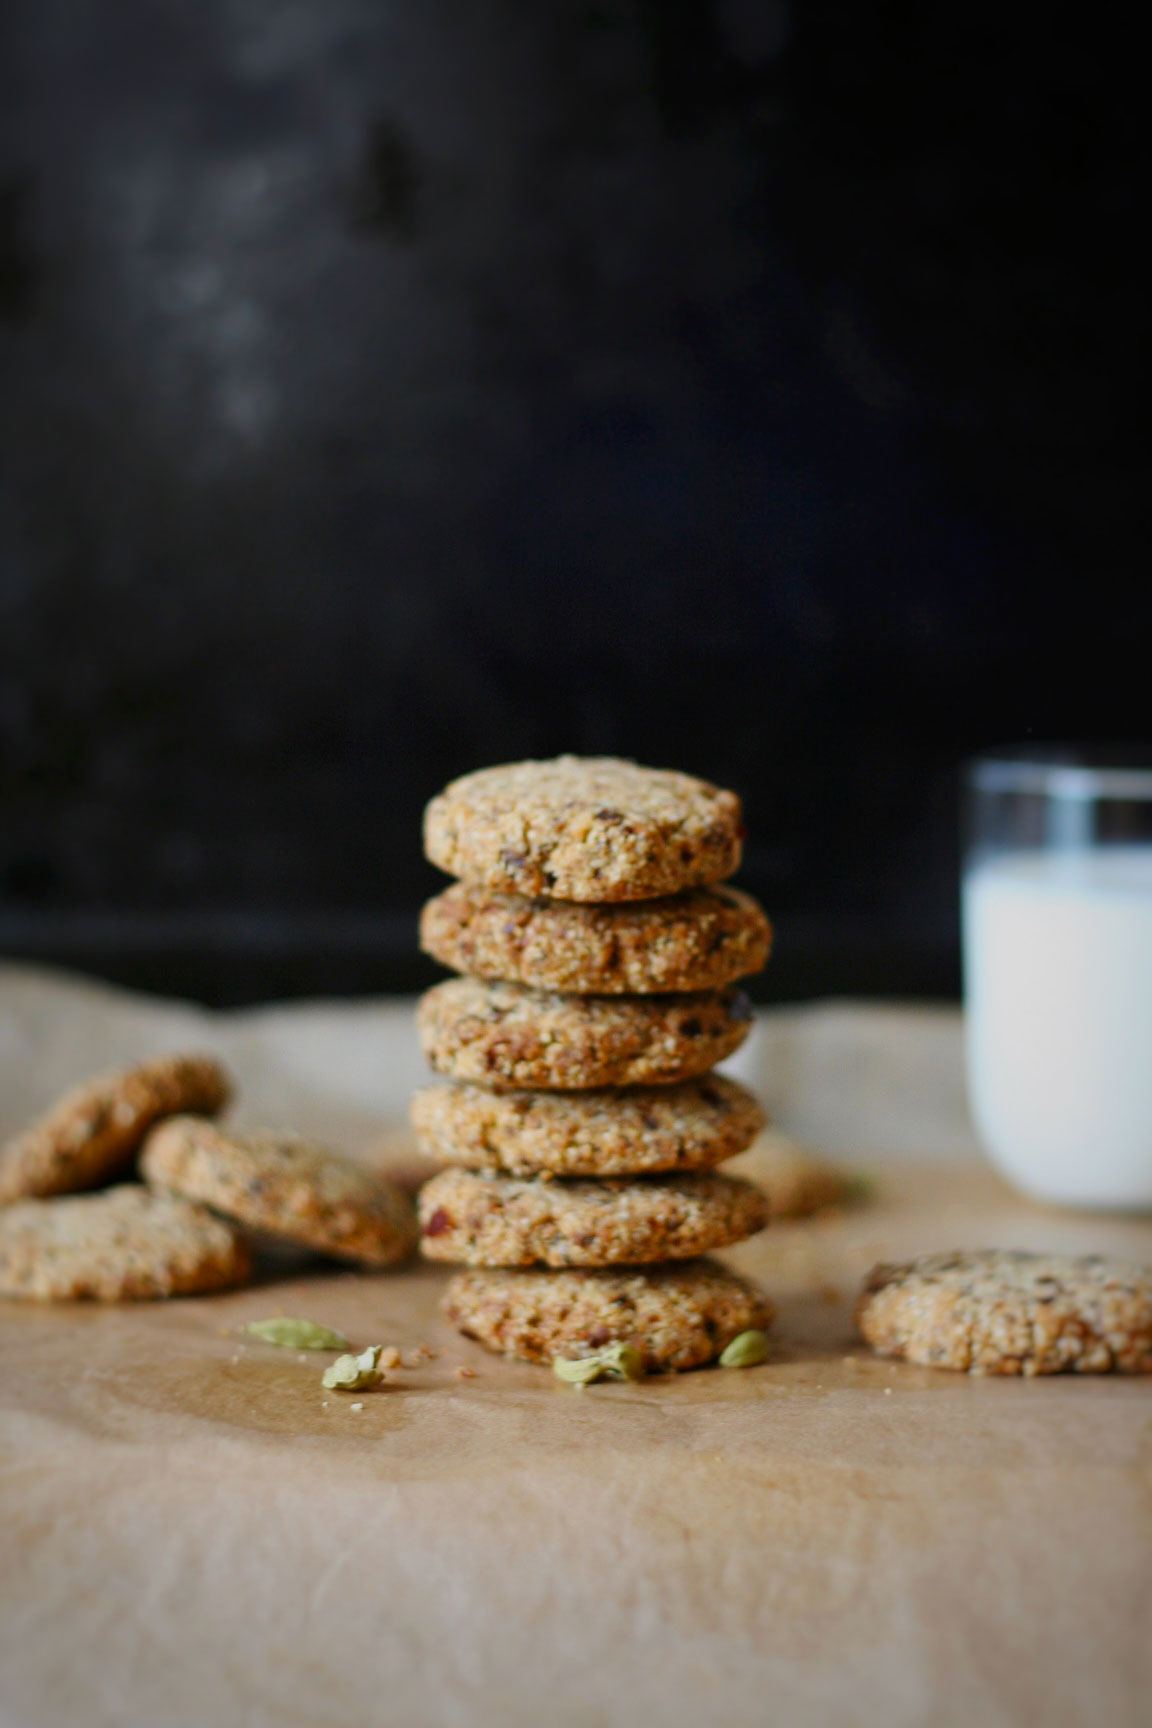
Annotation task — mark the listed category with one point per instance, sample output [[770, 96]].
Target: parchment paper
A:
[[189, 1536]]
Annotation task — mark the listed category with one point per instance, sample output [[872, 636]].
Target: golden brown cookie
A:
[[482, 1220], [678, 1315], [794, 1182], [996, 1311], [121, 1245], [700, 940], [609, 1132], [507, 1035], [584, 828], [284, 1186], [95, 1130]]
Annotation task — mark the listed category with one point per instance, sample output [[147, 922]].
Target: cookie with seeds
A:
[[93, 1132], [635, 1130], [284, 1186], [122, 1245], [508, 1035], [700, 940], [999, 1311], [584, 828], [481, 1220], [678, 1315]]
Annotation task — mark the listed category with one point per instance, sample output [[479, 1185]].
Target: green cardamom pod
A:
[[296, 1334], [617, 1361], [745, 1351], [354, 1373]]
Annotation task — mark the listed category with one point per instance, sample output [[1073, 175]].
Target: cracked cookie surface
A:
[[584, 828]]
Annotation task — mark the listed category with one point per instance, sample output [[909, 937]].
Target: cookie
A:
[[93, 1132], [677, 1316], [700, 940], [793, 1181], [121, 1245], [690, 1126], [584, 828], [482, 1220], [995, 1311], [508, 1035], [286, 1187]]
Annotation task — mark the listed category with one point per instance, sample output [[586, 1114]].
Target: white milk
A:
[[1058, 996]]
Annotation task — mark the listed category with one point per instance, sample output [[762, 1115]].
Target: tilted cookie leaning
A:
[[286, 1186], [94, 1131]]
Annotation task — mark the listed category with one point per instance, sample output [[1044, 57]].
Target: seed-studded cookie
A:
[[482, 1220], [285, 1186], [584, 828], [116, 1246], [995, 1311], [508, 1035], [609, 1132], [700, 940], [677, 1315], [93, 1132]]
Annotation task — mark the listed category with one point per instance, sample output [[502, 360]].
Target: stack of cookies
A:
[[582, 1125]]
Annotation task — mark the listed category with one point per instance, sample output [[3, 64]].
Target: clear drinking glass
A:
[[1057, 923]]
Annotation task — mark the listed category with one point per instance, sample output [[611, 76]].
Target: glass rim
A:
[[1065, 771]]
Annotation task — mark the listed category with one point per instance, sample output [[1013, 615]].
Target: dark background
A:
[[396, 386]]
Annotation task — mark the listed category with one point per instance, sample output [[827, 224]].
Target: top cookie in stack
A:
[[599, 956]]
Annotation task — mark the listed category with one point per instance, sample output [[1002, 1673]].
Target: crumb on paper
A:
[[417, 1356], [390, 1358], [465, 1373], [356, 1406]]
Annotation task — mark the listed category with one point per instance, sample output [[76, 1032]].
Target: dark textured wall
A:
[[392, 386]]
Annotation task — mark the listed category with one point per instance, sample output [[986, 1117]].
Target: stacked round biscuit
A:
[[582, 1125]]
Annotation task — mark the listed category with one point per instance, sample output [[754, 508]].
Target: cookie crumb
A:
[[465, 1373]]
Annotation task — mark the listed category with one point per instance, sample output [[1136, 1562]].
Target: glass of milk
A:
[[1057, 922]]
